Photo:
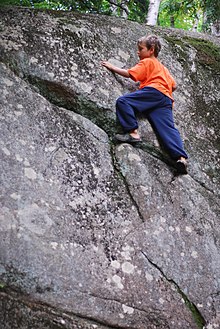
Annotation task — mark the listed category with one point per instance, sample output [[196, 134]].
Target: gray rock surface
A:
[[93, 234]]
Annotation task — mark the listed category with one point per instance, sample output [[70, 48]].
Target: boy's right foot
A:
[[127, 138], [181, 166]]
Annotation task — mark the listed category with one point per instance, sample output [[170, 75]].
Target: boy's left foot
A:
[[181, 166], [127, 138]]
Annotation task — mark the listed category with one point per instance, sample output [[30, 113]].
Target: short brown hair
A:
[[151, 41]]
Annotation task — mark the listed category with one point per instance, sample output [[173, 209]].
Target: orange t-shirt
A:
[[151, 73]]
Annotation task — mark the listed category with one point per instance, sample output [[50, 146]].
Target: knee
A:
[[121, 104], [120, 100]]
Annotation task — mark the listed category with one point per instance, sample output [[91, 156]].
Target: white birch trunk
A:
[[195, 25], [124, 13], [196, 21], [153, 12], [215, 28], [114, 10]]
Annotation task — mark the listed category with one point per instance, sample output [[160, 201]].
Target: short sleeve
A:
[[138, 72]]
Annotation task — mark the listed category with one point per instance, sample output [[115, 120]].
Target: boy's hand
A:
[[115, 69], [108, 65]]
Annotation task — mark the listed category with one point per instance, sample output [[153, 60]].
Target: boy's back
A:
[[151, 73]]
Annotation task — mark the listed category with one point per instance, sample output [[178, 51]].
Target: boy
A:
[[154, 98]]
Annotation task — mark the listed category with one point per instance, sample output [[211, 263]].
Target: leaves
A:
[[185, 14]]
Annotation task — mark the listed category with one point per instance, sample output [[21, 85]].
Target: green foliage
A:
[[24, 3], [92, 6], [14, 2], [211, 9], [184, 14], [138, 10], [55, 5]]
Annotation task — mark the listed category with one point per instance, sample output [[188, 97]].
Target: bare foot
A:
[[134, 133], [183, 159]]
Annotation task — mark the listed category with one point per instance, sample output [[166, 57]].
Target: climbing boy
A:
[[153, 98]]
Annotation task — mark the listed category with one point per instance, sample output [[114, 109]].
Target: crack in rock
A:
[[199, 319], [56, 316], [66, 319], [117, 169]]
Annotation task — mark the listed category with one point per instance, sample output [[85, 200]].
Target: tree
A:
[[152, 13], [200, 15], [211, 16], [119, 8]]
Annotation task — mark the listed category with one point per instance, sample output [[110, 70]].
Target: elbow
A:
[[126, 74]]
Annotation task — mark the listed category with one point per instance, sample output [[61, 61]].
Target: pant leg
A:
[[158, 109], [163, 125], [125, 111], [141, 100]]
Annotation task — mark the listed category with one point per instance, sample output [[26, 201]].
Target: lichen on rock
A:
[[94, 234]]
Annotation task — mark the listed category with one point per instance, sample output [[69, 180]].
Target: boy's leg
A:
[[163, 124], [125, 111], [139, 101]]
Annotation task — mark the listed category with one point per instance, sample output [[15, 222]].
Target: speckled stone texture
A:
[[95, 234]]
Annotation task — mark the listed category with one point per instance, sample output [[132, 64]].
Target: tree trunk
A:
[[215, 28], [199, 14], [153, 12], [124, 10], [172, 21], [119, 6], [113, 7]]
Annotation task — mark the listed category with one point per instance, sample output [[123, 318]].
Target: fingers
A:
[[104, 63], [107, 65]]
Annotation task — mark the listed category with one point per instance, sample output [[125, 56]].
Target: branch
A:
[[119, 5]]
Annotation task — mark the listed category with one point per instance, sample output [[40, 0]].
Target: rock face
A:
[[93, 234]]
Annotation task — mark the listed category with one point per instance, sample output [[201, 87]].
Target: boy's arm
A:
[[115, 69]]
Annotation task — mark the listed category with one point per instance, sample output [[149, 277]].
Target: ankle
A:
[[183, 160], [134, 133]]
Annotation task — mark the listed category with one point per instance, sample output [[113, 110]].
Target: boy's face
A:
[[143, 52]]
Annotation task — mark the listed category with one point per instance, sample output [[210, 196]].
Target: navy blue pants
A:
[[158, 109]]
